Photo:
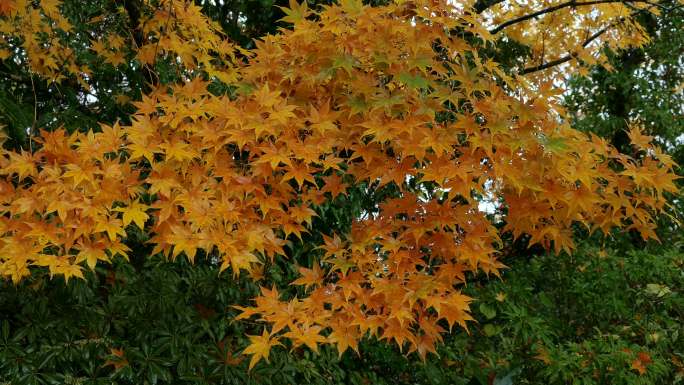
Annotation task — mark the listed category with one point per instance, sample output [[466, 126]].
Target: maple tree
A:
[[404, 101]]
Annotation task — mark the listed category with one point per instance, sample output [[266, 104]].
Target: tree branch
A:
[[571, 3], [481, 5], [572, 55], [591, 38]]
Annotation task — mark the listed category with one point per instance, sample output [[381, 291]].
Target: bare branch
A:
[[571, 3], [481, 5], [569, 56]]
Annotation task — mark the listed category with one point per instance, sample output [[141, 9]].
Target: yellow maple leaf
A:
[[134, 212], [309, 336], [260, 347], [638, 138], [296, 12], [112, 226], [91, 254], [310, 277], [345, 336]]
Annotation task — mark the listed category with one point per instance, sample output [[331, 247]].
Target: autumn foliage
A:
[[400, 98]]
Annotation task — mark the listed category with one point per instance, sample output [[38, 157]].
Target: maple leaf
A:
[[6, 7], [139, 150], [454, 310], [275, 156], [91, 253], [118, 359], [543, 355], [299, 173], [67, 270], [346, 62], [238, 262], [265, 97], [246, 312], [260, 347], [310, 277], [394, 330], [148, 105], [179, 150], [309, 336], [352, 7], [644, 357], [296, 12], [637, 138], [413, 81], [232, 360], [424, 345], [334, 185], [184, 242], [302, 213], [332, 246], [112, 227], [639, 366], [344, 336], [23, 164], [118, 248], [115, 58], [134, 212], [61, 207], [79, 174]]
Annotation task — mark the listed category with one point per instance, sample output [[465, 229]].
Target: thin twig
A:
[[35, 115], [166, 30]]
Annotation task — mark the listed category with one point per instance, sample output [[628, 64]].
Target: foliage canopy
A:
[[234, 155]]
